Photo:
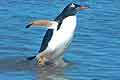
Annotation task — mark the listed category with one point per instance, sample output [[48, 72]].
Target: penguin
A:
[[59, 34]]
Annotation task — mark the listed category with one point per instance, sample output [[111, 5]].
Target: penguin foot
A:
[[42, 60]]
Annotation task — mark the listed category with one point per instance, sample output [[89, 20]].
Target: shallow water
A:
[[94, 51]]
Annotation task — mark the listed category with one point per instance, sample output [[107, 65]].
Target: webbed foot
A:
[[42, 60]]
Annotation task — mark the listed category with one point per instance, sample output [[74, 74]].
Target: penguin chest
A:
[[62, 37]]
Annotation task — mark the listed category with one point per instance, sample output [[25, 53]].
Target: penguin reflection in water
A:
[[58, 36]]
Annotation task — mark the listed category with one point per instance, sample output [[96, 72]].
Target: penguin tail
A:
[[30, 58], [28, 25]]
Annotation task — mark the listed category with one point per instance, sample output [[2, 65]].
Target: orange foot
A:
[[42, 60]]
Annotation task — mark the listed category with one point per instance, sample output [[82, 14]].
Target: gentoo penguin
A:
[[59, 34]]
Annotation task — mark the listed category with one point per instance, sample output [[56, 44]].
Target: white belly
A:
[[62, 38]]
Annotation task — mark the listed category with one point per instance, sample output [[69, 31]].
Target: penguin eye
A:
[[72, 5]]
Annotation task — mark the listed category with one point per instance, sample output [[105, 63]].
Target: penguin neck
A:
[[60, 19], [68, 24]]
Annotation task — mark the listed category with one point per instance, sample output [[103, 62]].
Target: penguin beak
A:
[[47, 23], [82, 8], [39, 23]]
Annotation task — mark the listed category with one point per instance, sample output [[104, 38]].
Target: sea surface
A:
[[94, 51]]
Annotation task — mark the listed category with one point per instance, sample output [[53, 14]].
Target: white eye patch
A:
[[72, 5]]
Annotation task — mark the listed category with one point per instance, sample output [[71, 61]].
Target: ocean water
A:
[[94, 52]]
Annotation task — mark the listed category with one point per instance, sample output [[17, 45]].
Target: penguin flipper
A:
[[49, 24]]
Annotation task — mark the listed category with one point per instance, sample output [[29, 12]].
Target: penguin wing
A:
[[46, 40], [47, 23]]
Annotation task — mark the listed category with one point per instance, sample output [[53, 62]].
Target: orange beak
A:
[[39, 23], [83, 7]]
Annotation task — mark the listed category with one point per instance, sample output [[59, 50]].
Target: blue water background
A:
[[94, 52]]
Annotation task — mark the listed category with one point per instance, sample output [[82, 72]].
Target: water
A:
[[94, 51]]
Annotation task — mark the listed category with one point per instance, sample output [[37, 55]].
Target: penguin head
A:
[[72, 9]]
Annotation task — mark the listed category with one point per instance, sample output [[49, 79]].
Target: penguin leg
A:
[[42, 59]]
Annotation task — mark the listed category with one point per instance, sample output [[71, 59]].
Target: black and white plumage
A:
[[59, 35]]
